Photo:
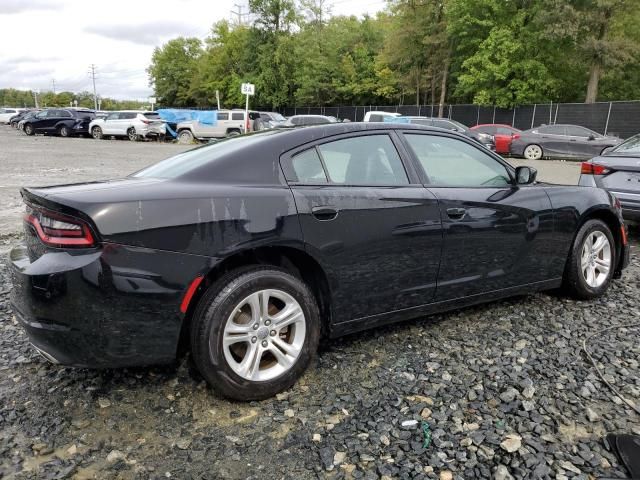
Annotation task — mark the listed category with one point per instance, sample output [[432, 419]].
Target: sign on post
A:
[[247, 89]]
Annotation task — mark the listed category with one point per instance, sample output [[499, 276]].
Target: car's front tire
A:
[[28, 129], [591, 261], [254, 332], [533, 152], [96, 132]]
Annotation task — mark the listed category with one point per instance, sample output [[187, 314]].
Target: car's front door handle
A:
[[456, 213], [324, 213]]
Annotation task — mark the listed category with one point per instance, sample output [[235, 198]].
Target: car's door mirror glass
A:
[[452, 162], [525, 175]]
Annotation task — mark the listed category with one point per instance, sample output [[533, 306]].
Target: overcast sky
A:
[[46, 40]]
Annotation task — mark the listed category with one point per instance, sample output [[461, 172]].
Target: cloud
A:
[[18, 6], [151, 33]]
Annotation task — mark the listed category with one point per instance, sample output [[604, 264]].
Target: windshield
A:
[[631, 146], [185, 162]]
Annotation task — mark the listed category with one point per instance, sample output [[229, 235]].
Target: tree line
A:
[[487, 52], [12, 97]]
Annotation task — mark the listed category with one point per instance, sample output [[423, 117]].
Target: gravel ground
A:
[[503, 388]]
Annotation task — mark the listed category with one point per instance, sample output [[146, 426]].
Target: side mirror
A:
[[525, 175], [606, 150], [592, 137]]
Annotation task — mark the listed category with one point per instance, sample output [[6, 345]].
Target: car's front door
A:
[[110, 125], [582, 142], [496, 234], [368, 220]]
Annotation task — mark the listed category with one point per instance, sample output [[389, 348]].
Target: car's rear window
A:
[[631, 146], [152, 116], [185, 162]]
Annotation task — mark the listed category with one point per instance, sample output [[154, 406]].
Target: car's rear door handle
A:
[[325, 213], [456, 213]]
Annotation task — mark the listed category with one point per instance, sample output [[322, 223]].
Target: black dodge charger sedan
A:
[[248, 250]]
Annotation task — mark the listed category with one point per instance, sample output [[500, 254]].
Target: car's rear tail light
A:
[[58, 230], [593, 169], [515, 136], [146, 122]]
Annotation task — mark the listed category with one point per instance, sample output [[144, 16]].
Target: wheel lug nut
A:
[[264, 343], [267, 322], [272, 333], [254, 339], [255, 326]]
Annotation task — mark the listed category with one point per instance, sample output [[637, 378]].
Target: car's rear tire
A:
[[96, 132], [254, 332], [131, 134], [64, 131], [591, 262], [28, 129], [533, 152], [233, 133], [185, 137]]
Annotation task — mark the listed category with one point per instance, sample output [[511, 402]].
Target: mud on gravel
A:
[[504, 389]]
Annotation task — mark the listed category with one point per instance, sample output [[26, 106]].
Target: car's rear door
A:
[[553, 140], [368, 220], [496, 234]]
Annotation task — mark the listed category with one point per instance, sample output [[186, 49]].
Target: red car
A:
[[503, 134]]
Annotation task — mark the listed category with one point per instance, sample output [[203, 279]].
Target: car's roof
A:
[[495, 125], [310, 115]]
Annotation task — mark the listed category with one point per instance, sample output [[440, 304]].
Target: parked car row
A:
[[545, 141]]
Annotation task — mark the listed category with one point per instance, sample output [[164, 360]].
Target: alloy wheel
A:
[[533, 152], [131, 133], [264, 335], [595, 261]]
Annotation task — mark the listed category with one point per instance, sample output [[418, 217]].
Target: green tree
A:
[[172, 67]]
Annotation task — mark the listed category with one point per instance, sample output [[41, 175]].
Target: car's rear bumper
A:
[[110, 307]]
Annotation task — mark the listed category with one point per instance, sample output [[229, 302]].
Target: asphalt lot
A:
[[503, 388], [43, 160]]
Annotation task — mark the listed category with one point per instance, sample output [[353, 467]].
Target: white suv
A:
[[227, 123], [7, 113], [379, 116], [134, 124]]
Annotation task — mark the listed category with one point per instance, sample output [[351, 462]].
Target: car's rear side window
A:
[[364, 160], [237, 116], [308, 167], [452, 162]]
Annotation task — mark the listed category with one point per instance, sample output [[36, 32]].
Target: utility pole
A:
[[53, 83], [92, 72], [238, 14]]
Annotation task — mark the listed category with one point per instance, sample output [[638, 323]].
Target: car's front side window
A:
[[451, 162], [364, 160]]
